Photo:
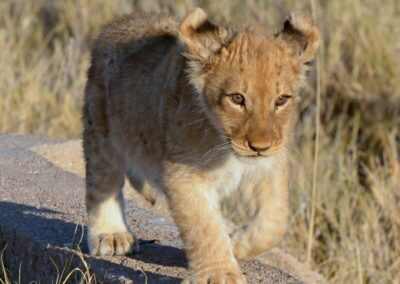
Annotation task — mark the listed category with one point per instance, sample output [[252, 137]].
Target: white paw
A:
[[112, 244]]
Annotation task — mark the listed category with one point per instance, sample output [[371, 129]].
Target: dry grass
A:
[[71, 267], [44, 57]]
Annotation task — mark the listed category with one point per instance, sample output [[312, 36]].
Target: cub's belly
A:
[[148, 170]]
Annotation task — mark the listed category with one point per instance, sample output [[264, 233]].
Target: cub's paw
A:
[[216, 277], [112, 244]]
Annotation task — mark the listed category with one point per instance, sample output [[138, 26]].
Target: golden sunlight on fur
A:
[[203, 113]]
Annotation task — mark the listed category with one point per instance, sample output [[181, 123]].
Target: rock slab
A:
[[43, 231]]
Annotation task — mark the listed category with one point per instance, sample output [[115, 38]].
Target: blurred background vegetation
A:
[[44, 55]]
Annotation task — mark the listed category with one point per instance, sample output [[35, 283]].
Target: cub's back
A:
[[129, 33], [129, 73]]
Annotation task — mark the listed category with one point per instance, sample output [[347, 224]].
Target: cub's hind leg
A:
[[108, 230], [139, 183]]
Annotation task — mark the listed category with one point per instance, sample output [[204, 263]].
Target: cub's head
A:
[[248, 83]]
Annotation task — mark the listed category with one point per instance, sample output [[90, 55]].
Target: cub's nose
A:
[[259, 147]]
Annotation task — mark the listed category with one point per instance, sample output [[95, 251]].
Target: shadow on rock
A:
[[38, 241]]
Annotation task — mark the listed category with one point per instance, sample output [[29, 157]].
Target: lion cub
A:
[[204, 113]]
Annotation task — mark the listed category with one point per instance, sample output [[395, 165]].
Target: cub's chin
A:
[[260, 162], [251, 156]]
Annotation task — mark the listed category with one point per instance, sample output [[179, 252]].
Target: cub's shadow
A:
[[45, 227], [153, 252]]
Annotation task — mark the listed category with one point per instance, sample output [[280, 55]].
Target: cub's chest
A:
[[238, 172]]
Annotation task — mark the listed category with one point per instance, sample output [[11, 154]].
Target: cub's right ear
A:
[[201, 38], [301, 35]]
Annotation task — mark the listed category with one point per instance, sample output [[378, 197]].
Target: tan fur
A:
[[159, 108]]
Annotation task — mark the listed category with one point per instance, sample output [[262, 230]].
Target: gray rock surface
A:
[[43, 224]]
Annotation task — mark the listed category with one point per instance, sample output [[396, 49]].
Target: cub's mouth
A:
[[246, 149]]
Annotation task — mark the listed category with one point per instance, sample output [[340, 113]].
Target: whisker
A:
[[213, 152], [194, 122]]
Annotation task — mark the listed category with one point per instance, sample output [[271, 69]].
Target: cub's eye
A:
[[281, 100], [237, 99]]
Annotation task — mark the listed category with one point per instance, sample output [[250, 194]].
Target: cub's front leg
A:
[[268, 226], [202, 229], [108, 232]]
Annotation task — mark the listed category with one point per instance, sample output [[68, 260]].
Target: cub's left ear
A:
[[301, 35], [201, 38]]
